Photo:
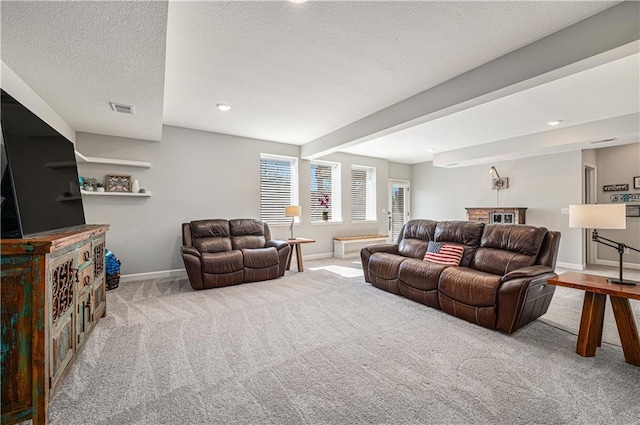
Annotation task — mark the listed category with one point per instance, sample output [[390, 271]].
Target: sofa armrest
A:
[[191, 257], [189, 249], [524, 299], [369, 250], [278, 244], [531, 271], [284, 250]]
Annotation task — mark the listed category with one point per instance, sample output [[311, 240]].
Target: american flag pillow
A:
[[444, 253]]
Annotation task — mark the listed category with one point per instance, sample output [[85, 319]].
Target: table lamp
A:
[[292, 211], [602, 216]]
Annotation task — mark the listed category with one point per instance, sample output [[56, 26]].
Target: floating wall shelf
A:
[[111, 161], [145, 194]]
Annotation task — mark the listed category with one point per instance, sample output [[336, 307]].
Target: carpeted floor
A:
[[323, 347]]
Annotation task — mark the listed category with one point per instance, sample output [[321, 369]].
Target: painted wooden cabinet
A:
[[53, 293]]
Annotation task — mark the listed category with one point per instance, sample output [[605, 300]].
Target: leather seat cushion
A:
[[260, 258], [221, 262], [385, 265], [471, 287], [420, 274]]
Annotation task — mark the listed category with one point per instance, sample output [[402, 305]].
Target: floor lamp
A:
[[602, 216], [292, 211]]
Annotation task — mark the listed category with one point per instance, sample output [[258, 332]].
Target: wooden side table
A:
[[297, 242], [596, 290]]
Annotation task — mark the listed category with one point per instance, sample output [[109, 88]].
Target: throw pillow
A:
[[444, 253]]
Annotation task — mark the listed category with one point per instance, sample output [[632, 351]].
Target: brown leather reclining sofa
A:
[[500, 283], [227, 252]]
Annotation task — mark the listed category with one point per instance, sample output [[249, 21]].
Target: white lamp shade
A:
[[293, 211], [598, 216]]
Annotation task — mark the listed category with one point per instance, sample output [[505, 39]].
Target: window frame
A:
[[336, 192], [293, 193], [370, 192]]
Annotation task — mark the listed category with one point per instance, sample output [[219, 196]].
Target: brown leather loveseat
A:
[[227, 252], [500, 283]]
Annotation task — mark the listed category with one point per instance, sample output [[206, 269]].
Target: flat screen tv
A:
[[40, 190]]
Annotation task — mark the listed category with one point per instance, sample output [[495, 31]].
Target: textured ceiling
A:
[[295, 72]]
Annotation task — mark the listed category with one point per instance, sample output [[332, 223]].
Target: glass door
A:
[[398, 208]]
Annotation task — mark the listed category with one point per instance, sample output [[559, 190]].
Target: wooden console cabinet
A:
[[53, 293]]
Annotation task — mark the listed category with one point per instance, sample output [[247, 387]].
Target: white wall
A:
[[619, 164], [196, 175], [543, 184]]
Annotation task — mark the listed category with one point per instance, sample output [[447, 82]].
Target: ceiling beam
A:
[[604, 37]]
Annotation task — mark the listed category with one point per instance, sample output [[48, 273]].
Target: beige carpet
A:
[[323, 347]]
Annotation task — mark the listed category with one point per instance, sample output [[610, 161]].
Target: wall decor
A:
[[118, 183], [625, 197], [616, 187], [633, 211], [636, 182]]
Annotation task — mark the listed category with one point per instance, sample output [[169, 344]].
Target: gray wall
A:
[[619, 164], [543, 184], [197, 175]]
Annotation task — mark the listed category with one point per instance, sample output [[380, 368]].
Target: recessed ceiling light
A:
[[122, 108], [552, 123], [431, 149], [223, 106], [298, 1]]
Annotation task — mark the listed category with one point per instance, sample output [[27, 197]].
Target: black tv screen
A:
[[40, 187]]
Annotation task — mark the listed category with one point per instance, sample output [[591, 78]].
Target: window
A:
[[325, 184], [278, 187], [363, 193]]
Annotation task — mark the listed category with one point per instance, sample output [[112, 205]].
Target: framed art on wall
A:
[[118, 183]]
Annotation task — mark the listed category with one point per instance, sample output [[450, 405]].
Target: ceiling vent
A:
[[124, 109], [604, 141]]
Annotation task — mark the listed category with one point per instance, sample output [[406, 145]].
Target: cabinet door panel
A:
[[62, 280], [84, 322], [99, 300], [98, 257], [62, 346]]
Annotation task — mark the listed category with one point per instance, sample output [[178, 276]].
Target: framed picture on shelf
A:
[[118, 183], [636, 182]]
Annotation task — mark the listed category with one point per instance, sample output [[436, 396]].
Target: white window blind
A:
[[278, 187], [363, 193], [325, 184]]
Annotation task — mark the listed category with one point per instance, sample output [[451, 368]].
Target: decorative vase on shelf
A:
[[325, 215], [135, 186], [99, 189]]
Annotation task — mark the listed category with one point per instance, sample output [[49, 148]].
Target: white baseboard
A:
[[317, 256], [570, 266], [634, 266], [180, 273]]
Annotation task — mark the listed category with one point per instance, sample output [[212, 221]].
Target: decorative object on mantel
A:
[[615, 187], [135, 186], [99, 187], [633, 211], [502, 215], [625, 197], [602, 216], [118, 183], [636, 182]]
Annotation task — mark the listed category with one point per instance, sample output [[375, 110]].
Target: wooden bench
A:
[[340, 244]]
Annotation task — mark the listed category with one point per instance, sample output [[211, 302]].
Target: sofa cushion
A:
[[221, 262], [420, 274], [505, 247], [467, 233], [444, 253], [247, 233], [384, 265], [415, 236], [469, 286], [260, 258], [211, 235]]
